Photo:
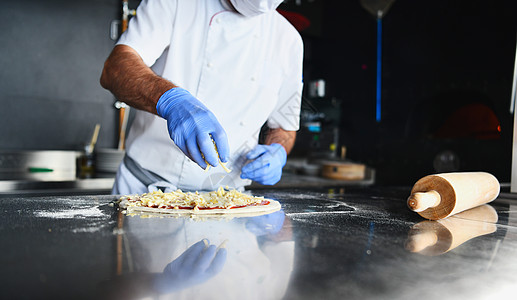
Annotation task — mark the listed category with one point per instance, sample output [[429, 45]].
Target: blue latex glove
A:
[[267, 164], [192, 126], [266, 224], [196, 265]]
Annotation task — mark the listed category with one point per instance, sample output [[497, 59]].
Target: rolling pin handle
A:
[[421, 201]]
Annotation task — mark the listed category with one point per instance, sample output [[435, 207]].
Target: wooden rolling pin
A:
[[438, 237], [438, 196]]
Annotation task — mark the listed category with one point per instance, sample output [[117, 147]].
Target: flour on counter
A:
[[87, 229], [72, 213], [307, 196], [312, 213]]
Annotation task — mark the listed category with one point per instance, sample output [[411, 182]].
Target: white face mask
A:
[[250, 8]]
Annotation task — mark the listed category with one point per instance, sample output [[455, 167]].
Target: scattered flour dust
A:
[[93, 216], [72, 213], [87, 229], [333, 208]]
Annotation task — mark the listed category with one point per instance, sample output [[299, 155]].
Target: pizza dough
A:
[[220, 202]]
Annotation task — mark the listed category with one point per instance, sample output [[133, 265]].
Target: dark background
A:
[[437, 56]]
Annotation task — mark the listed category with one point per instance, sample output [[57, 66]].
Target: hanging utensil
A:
[[378, 9], [95, 136]]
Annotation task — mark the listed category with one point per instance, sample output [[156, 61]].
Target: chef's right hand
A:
[[192, 127], [269, 224]]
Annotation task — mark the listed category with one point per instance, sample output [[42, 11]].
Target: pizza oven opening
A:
[[461, 114], [457, 127], [472, 120]]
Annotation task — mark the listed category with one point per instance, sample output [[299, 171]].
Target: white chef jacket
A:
[[245, 70]]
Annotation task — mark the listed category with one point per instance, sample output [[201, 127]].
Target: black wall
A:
[[436, 54], [52, 53]]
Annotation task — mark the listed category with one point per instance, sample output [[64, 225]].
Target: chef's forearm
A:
[[282, 137], [131, 80]]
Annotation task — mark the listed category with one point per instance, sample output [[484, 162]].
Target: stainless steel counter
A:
[[343, 243]]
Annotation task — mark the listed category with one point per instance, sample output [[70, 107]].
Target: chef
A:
[[205, 75]]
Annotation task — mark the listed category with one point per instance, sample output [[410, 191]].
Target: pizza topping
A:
[[225, 168], [220, 199]]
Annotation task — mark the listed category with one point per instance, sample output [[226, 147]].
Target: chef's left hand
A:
[[267, 164], [196, 265]]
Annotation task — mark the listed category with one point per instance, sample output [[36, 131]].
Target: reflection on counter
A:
[[183, 258], [438, 237]]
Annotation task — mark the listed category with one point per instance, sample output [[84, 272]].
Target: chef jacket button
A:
[[252, 78], [242, 123], [209, 65], [218, 21], [256, 36]]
